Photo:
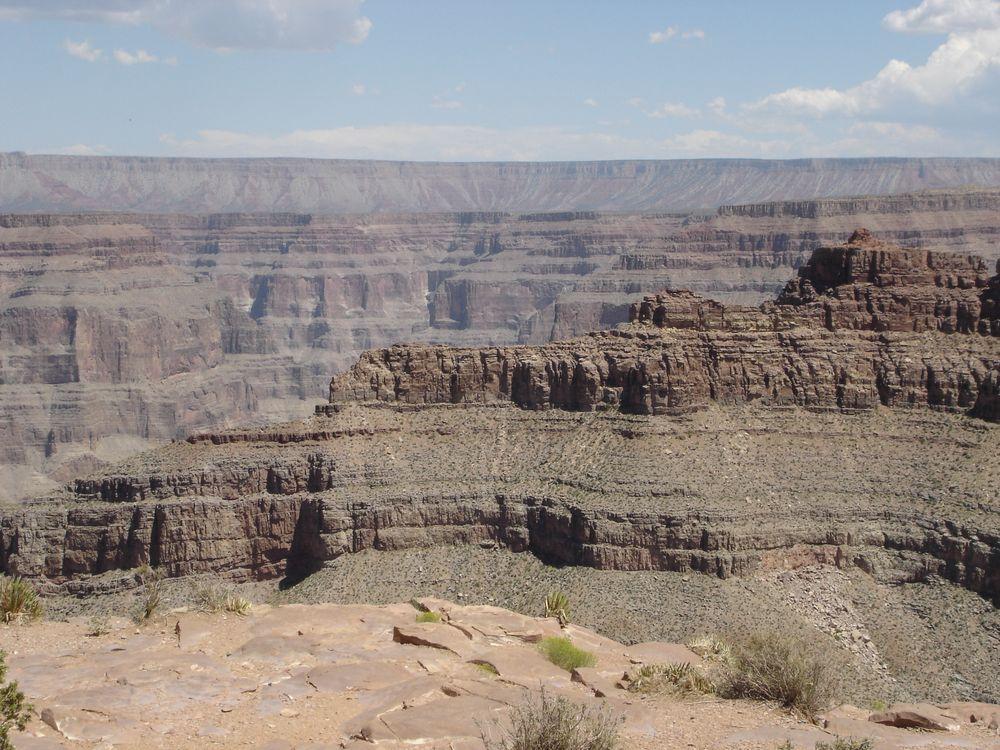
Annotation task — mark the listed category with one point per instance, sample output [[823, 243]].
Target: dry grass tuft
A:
[[556, 724]]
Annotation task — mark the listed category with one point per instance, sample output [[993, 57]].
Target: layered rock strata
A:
[[121, 183], [180, 323], [853, 331], [422, 446]]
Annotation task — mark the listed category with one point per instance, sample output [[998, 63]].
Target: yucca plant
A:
[[557, 605], [237, 605], [18, 600]]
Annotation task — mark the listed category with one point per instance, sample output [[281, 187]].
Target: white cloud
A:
[[590, 102], [945, 16], [673, 109], [477, 143], [139, 57], [964, 62], [636, 101], [441, 102], [81, 149], [358, 89], [218, 24], [659, 37], [82, 50], [717, 106]]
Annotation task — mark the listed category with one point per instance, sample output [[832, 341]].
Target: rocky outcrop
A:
[[851, 332], [869, 285]]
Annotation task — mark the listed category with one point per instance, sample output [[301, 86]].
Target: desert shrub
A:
[[879, 705], [429, 617], [556, 724], [845, 743], [150, 593], [14, 709], [562, 653], [677, 679], [557, 605], [98, 625], [237, 605], [208, 597], [712, 648], [771, 667], [211, 598], [18, 600]]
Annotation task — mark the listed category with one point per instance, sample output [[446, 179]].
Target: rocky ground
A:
[[361, 676]]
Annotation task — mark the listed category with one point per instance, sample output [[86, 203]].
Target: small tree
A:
[[14, 709]]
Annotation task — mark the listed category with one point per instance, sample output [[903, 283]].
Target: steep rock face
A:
[[187, 322], [870, 285], [682, 352], [727, 493], [63, 183]]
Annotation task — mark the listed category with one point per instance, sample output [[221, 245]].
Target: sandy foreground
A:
[[352, 676]]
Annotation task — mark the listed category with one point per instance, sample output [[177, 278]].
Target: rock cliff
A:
[[422, 446], [121, 331]]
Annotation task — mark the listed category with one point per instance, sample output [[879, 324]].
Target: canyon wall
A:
[[831, 425], [119, 332], [177, 185]]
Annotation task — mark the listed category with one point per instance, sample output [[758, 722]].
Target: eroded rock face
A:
[[849, 333], [599, 487], [119, 332]]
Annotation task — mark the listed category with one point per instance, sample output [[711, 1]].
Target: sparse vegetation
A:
[[150, 593], [237, 605], [212, 598], [879, 705], [18, 600], [557, 605], [429, 617], [485, 666], [15, 711], [845, 743], [562, 653], [681, 680], [772, 667], [98, 625], [556, 724], [712, 648]]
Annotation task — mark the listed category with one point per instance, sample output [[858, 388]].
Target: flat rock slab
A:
[[448, 718], [917, 716], [336, 678]]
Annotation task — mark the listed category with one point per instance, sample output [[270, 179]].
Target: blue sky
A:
[[480, 79]]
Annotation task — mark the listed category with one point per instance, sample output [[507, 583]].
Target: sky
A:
[[514, 80]]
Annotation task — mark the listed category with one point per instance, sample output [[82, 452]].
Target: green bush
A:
[[429, 617], [557, 605], [562, 653], [15, 711], [18, 600], [677, 679], [556, 724], [771, 667]]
